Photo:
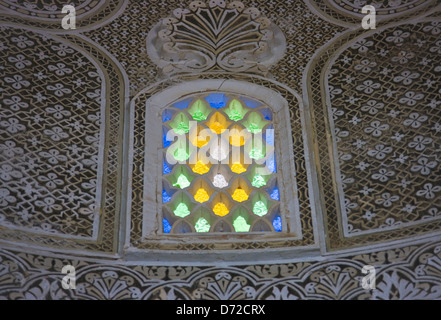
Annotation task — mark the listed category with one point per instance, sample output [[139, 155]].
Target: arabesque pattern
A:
[[215, 35], [220, 175], [406, 273], [363, 110], [51, 127], [387, 127]]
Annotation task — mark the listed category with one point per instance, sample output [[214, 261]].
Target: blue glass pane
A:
[[166, 168], [268, 115], [182, 228], [275, 194], [271, 164], [167, 115], [166, 225], [251, 103], [183, 104], [216, 100], [269, 135], [165, 197], [167, 143], [277, 224], [165, 131]]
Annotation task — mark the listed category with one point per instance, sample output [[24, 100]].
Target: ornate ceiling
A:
[[366, 147]]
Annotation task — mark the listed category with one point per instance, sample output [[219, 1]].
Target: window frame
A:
[[152, 196]]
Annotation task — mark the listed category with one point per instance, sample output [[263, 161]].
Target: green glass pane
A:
[[199, 111], [198, 105], [182, 210], [182, 128], [255, 123], [182, 182], [235, 115], [256, 154], [260, 209], [199, 116], [202, 225], [241, 225], [254, 128], [235, 111], [258, 181], [181, 154]]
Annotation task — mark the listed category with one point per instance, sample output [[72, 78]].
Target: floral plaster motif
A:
[[387, 126], [50, 127]]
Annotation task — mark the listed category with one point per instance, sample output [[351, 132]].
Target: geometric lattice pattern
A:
[[363, 108], [220, 173], [407, 273], [303, 238], [382, 7], [210, 36], [50, 127], [388, 127]]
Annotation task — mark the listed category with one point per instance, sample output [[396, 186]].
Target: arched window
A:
[[216, 152], [219, 166]]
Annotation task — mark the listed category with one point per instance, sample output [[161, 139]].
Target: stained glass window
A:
[[219, 166]]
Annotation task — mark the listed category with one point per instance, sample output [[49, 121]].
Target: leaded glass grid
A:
[[219, 166]]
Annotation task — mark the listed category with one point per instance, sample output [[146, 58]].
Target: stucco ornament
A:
[[215, 35]]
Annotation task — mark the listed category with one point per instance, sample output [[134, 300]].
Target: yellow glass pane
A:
[[217, 127], [220, 209], [240, 195], [237, 140], [218, 123], [201, 196], [199, 138], [238, 168], [199, 142], [200, 168]]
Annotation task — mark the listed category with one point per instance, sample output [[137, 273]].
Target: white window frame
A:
[[152, 195]]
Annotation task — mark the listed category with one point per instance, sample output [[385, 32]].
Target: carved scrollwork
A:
[[215, 35], [50, 128]]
